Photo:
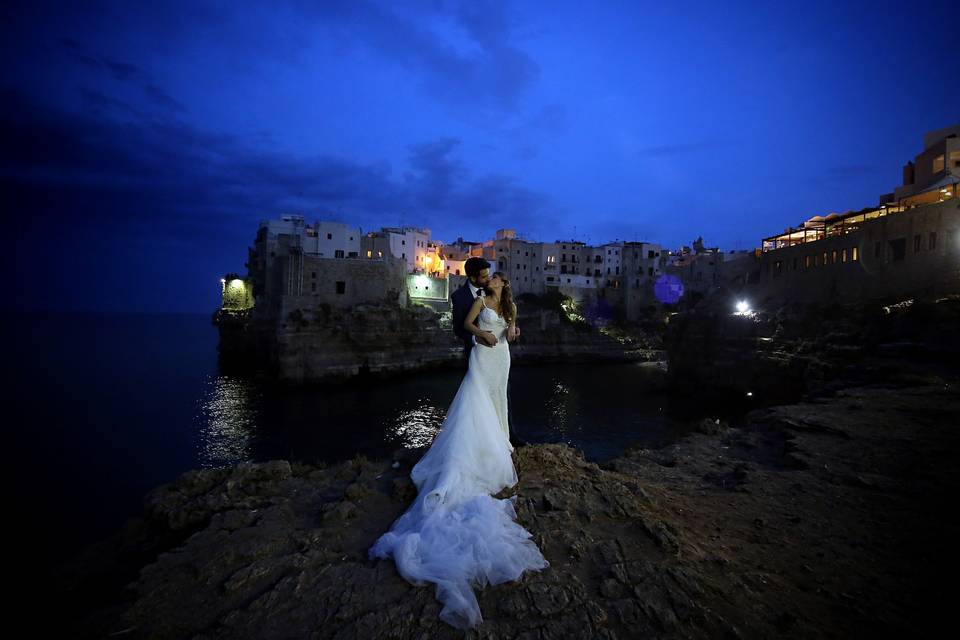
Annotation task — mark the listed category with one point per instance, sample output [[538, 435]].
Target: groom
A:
[[478, 275]]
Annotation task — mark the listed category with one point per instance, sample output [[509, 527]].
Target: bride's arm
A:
[[513, 331], [483, 337]]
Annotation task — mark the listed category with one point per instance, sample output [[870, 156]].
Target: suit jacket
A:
[[462, 300]]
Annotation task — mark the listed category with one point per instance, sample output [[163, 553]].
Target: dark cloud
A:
[[495, 74], [123, 72], [164, 173]]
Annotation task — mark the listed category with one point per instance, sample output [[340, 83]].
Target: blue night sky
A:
[[142, 143]]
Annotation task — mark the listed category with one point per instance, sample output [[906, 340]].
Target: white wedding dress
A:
[[455, 534]]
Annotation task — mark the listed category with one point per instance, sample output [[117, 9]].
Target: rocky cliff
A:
[[779, 354], [323, 344], [827, 518]]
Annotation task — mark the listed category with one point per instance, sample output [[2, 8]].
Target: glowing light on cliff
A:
[[743, 308]]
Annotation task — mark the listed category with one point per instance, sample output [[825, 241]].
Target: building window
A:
[[816, 261], [916, 243], [932, 241], [369, 253], [338, 253], [824, 258], [843, 255], [806, 262], [937, 164], [341, 286], [403, 242], [313, 286], [855, 254], [649, 271], [834, 257], [794, 264], [898, 249], [313, 274], [379, 254], [955, 158], [403, 255]]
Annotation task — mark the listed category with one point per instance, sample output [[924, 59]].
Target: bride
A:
[[455, 534]]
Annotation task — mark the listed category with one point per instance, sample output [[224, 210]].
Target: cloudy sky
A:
[[143, 143]]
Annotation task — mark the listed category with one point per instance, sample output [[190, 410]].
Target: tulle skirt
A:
[[455, 534]]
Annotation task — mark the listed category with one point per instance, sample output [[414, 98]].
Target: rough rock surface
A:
[[820, 519], [328, 345], [783, 352]]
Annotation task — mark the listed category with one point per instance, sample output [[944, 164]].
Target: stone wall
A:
[[422, 287], [343, 283]]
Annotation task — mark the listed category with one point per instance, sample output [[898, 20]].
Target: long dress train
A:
[[455, 534]]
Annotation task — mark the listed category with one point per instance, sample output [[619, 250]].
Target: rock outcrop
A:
[[324, 344], [827, 518], [778, 354]]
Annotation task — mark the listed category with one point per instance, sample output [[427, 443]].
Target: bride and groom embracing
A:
[[455, 534]]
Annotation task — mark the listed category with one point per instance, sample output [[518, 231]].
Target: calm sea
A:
[[108, 406]]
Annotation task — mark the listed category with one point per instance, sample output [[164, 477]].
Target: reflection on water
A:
[[227, 420], [417, 427], [601, 409], [559, 409]]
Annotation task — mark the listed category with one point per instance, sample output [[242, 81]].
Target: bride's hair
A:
[[506, 296]]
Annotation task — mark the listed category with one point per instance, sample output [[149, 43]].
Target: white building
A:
[[410, 244], [323, 239]]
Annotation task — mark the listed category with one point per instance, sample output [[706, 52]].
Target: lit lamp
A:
[[743, 308]]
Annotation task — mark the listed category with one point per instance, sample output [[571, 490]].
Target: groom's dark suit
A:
[[462, 299]]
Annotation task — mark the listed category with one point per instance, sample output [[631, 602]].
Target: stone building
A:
[[876, 254], [324, 238], [520, 259], [456, 254], [641, 266], [282, 272], [937, 167]]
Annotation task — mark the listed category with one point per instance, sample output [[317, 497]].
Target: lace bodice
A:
[[490, 320]]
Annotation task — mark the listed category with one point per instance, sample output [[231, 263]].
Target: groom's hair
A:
[[473, 266]]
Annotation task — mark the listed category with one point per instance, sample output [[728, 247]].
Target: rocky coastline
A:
[[824, 518], [327, 345], [821, 517]]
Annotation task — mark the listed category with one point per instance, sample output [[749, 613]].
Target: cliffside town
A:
[[327, 301]]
